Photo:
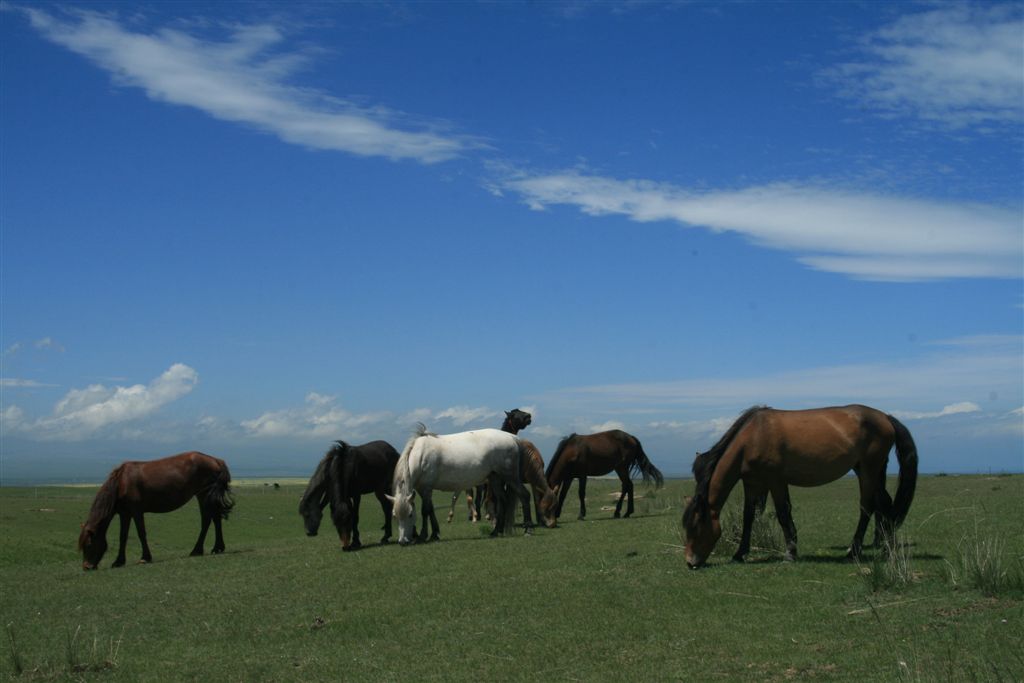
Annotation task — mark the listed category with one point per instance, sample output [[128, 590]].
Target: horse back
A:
[[814, 447], [168, 483], [375, 465]]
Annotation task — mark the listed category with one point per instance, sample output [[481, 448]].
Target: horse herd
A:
[[767, 449]]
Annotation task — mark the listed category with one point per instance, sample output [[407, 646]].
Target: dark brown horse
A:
[[769, 450], [343, 475], [595, 455], [137, 487]]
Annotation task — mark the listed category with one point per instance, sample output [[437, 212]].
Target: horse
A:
[[136, 487], [769, 450], [595, 455], [515, 420], [454, 462], [544, 497], [343, 475]]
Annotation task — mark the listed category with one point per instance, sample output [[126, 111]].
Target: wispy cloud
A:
[[953, 409], [913, 386], [957, 66], [83, 413], [244, 78], [320, 418], [15, 383], [863, 235]]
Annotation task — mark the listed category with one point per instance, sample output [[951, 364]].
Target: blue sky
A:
[[253, 228]]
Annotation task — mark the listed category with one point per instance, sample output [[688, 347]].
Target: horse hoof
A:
[[118, 563], [351, 548], [217, 551], [385, 540], [738, 558], [617, 515], [789, 557], [435, 537], [197, 553]]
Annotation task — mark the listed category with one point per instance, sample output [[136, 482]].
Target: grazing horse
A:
[[595, 455], [515, 421], [454, 462], [135, 487], [544, 497], [769, 450], [343, 475]]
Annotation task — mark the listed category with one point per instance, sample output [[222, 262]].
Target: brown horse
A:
[[544, 497], [137, 487], [595, 455], [771, 449]]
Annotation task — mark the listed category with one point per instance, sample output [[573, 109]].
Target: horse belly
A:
[[815, 470], [456, 479]]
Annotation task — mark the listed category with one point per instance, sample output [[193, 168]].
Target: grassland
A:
[[597, 600]]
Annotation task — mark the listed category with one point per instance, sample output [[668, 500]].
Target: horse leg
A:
[[386, 506], [140, 528], [207, 517], [868, 499], [753, 502], [218, 534], [479, 493], [451, 512], [784, 511], [627, 489], [436, 528], [524, 500], [126, 523], [583, 498], [355, 544], [562, 493]]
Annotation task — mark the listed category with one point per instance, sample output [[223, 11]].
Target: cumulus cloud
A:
[[15, 383], [461, 416], [320, 418], [957, 66], [863, 235], [242, 79], [82, 413]]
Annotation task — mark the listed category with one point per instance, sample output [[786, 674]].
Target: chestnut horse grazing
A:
[[137, 487], [771, 449], [343, 475], [595, 455], [545, 498]]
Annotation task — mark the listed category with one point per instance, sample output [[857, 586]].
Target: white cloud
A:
[[460, 416], [15, 383], [957, 66], [953, 409], [867, 236], [82, 413], [319, 418], [48, 344], [899, 386], [606, 426], [243, 79]]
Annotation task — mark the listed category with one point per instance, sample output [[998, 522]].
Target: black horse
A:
[[343, 475]]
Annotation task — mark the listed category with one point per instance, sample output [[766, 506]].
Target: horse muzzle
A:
[[88, 567]]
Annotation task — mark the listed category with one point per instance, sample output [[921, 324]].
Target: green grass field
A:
[[599, 600]]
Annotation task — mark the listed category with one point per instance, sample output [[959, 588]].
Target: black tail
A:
[[906, 455], [644, 467], [218, 496]]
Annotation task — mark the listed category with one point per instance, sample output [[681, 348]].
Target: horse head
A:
[[517, 420], [403, 511], [93, 545], [548, 509], [312, 510], [703, 529]]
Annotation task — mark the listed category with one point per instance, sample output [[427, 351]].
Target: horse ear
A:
[[508, 413], [390, 498], [412, 496]]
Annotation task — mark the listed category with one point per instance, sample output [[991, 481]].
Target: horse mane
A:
[[558, 454], [103, 504], [318, 482], [704, 464], [402, 472]]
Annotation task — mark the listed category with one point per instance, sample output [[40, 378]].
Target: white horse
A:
[[454, 462]]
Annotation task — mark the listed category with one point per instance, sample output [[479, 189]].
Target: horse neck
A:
[[533, 470], [507, 426], [724, 478], [317, 485], [103, 505]]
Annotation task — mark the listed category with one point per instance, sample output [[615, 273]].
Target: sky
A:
[[251, 229]]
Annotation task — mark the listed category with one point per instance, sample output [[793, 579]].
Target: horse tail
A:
[[644, 466], [219, 497], [103, 504], [906, 455], [557, 456]]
